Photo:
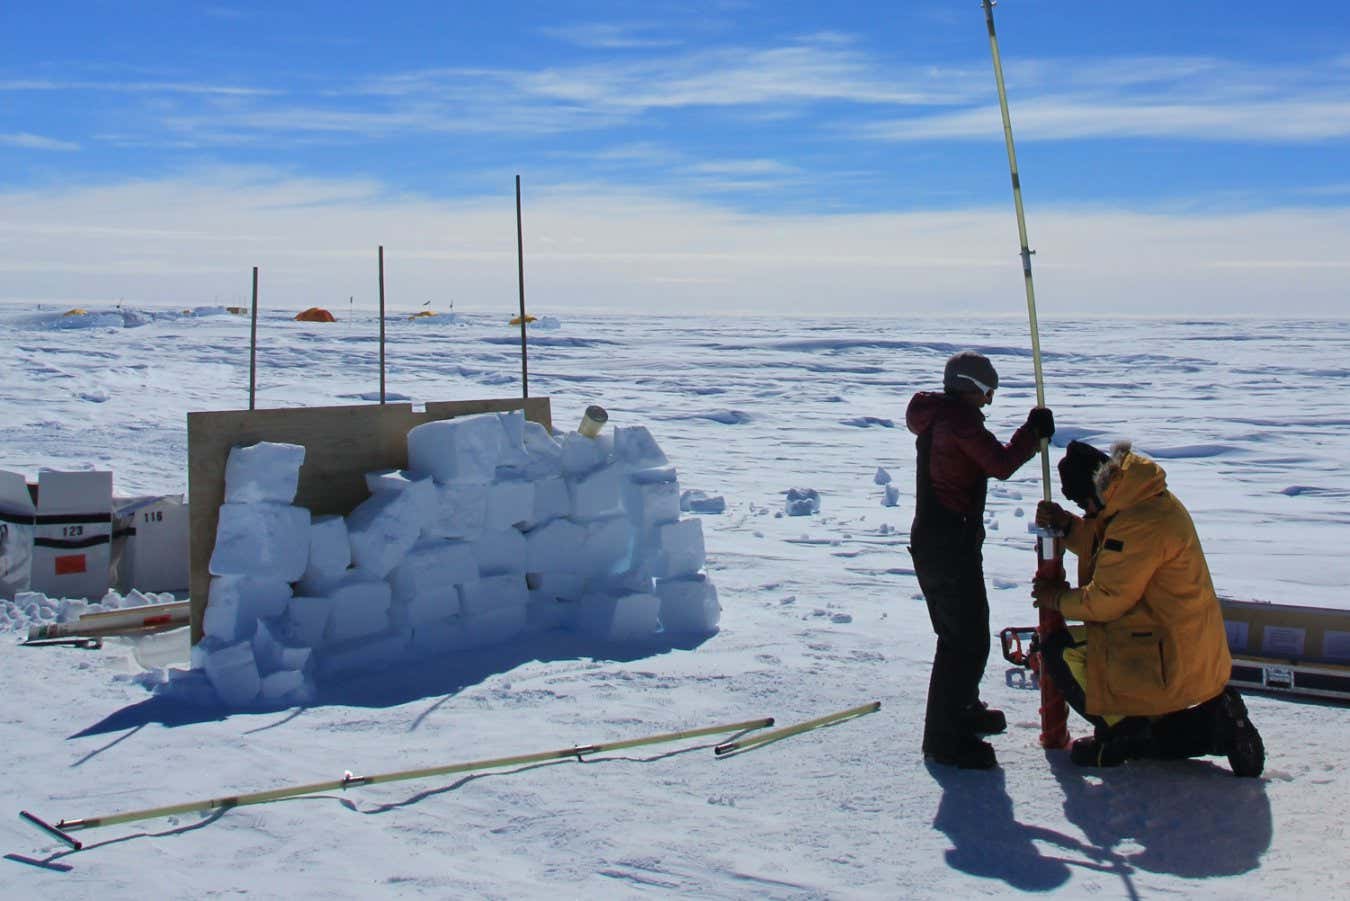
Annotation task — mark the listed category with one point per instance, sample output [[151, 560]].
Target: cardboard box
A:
[[151, 546], [72, 539], [17, 513]]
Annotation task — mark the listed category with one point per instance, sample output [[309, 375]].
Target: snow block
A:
[[635, 448], [233, 674], [802, 502], [330, 550], [438, 636], [509, 502], [359, 609], [495, 626], [493, 592], [286, 686], [555, 547], [266, 472], [688, 605], [681, 549], [432, 566], [235, 604], [428, 606], [502, 551], [696, 501], [609, 545], [263, 540], [463, 449], [892, 496], [581, 455], [651, 503], [381, 530], [549, 615], [422, 489], [551, 501], [544, 452], [369, 653], [461, 511], [595, 494], [556, 586], [630, 617], [513, 454], [306, 619]]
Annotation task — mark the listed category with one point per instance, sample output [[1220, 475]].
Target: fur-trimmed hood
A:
[[1126, 478]]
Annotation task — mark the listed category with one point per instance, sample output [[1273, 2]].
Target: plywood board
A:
[[341, 445]]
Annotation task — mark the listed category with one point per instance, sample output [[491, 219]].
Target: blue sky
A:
[[1203, 141]]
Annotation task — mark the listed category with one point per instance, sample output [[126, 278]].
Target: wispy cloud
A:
[[1065, 119], [1192, 98], [611, 36], [36, 142], [135, 87]]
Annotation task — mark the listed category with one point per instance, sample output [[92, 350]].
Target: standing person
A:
[[1150, 666], [956, 457]]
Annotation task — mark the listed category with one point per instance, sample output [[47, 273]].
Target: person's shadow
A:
[[1156, 816], [977, 815], [1189, 818]]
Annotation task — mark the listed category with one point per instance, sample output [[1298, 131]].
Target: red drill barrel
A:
[[1054, 711]]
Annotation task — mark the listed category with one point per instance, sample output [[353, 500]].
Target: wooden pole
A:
[[520, 268], [381, 323], [253, 344]]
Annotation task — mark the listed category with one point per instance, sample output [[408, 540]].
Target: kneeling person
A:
[[1149, 666]]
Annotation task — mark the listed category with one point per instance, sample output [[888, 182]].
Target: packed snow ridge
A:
[[496, 529]]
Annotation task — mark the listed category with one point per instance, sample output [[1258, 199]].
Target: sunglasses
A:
[[984, 389]]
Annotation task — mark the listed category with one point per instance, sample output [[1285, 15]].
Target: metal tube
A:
[[1022, 236], [253, 343], [1054, 711], [350, 781], [381, 323], [765, 738], [520, 268]]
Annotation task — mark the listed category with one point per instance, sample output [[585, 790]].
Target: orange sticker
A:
[[70, 564]]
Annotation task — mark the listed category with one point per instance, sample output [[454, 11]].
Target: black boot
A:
[[979, 719], [964, 751], [1130, 739], [1092, 751], [1237, 737]]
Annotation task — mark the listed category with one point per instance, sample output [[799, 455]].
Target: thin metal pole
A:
[[575, 752], [1049, 550], [520, 268], [1022, 236], [381, 323], [253, 343]]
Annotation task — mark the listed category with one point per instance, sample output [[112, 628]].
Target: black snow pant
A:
[[1173, 736], [949, 563]]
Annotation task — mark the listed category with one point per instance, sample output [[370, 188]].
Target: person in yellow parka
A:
[[1150, 665]]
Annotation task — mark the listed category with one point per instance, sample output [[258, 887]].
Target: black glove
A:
[[1041, 421]]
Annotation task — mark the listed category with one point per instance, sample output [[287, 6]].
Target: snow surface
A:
[[820, 612]]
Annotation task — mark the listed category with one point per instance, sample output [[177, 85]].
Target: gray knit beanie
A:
[[966, 369]]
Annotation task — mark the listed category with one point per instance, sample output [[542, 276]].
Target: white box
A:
[[155, 551], [72, 540], [16, 534]]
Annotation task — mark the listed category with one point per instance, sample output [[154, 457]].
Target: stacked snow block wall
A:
[[496, 529]]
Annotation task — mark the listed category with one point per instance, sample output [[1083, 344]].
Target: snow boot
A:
[[966, 752], [1092, 751], [979, 719], [1237, 737]]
